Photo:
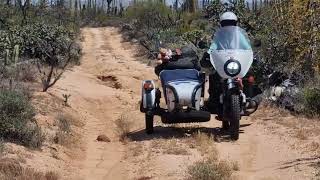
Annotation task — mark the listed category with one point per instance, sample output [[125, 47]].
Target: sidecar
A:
[[183, 92]]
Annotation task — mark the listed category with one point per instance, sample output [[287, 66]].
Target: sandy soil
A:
[[106, 87]]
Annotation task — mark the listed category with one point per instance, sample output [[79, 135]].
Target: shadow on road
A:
[[161, 132]]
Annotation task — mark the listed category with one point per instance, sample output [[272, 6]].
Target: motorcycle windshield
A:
[[231, 43], [230, 38]]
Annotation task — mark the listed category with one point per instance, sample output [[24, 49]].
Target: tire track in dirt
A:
[[99, 103]]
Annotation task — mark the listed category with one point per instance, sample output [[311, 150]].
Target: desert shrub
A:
[[211, 167], [2, 146], [46, 36], [63, 138], [17, 121], [123, 126], [205, 144], [172, 147], [27, 73], [53, 47], [157, 22], [11, 169], [63, 123], [64, 135], [193, 36], [209, 170], [309, 101], [186, 21], [150, 14]]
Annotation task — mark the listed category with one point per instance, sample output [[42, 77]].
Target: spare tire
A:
[[184, 63], [189, 51]]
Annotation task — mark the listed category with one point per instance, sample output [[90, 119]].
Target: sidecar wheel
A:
[[141, 107], [149, 122], [225, 125], [235, 117]]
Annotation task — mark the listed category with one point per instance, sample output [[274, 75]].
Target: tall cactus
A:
[[7, 58], [12, 57], [16, 54]]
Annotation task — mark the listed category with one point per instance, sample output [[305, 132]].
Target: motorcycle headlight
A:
[[232, 67]]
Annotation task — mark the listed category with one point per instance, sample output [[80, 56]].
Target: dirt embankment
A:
[[105, 90]]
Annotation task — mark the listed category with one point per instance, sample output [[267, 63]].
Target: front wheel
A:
[[235, 117], [149, 122]]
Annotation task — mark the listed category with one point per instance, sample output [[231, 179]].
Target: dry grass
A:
[[27, 73], [63, 122], [123, 126], [62, 138], [11, 169], [64, 129], [302, 134], [204, 143], [318, 173], [45, 104], [73, 118], [157, 144], [208, 169], [173, 147], [211, 167], [314, 147], [136, 149], [170, 146], [65, 136], [235, 166]]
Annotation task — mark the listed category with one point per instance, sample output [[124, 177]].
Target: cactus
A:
[[66, 98], [12, 57], [6, 60], [16, 54]]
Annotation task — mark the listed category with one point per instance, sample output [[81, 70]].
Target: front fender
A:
[[232, 87]]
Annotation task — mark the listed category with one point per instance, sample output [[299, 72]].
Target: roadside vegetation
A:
[[12, 169], [38, 42], [288, 32], [17, 123]]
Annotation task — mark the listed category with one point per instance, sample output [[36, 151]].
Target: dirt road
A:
[[106, 88]]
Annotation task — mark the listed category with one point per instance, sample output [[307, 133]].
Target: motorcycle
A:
[[183, 90], [232, 57]]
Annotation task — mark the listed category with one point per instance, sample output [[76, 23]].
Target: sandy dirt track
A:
[[106, 87]]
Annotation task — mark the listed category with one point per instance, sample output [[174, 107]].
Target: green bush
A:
[[310, 101], [2, 147], [17, 121], [141, 11], [193, 36], [210, 170]]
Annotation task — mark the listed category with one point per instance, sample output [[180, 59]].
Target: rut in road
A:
[[107, 86]]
